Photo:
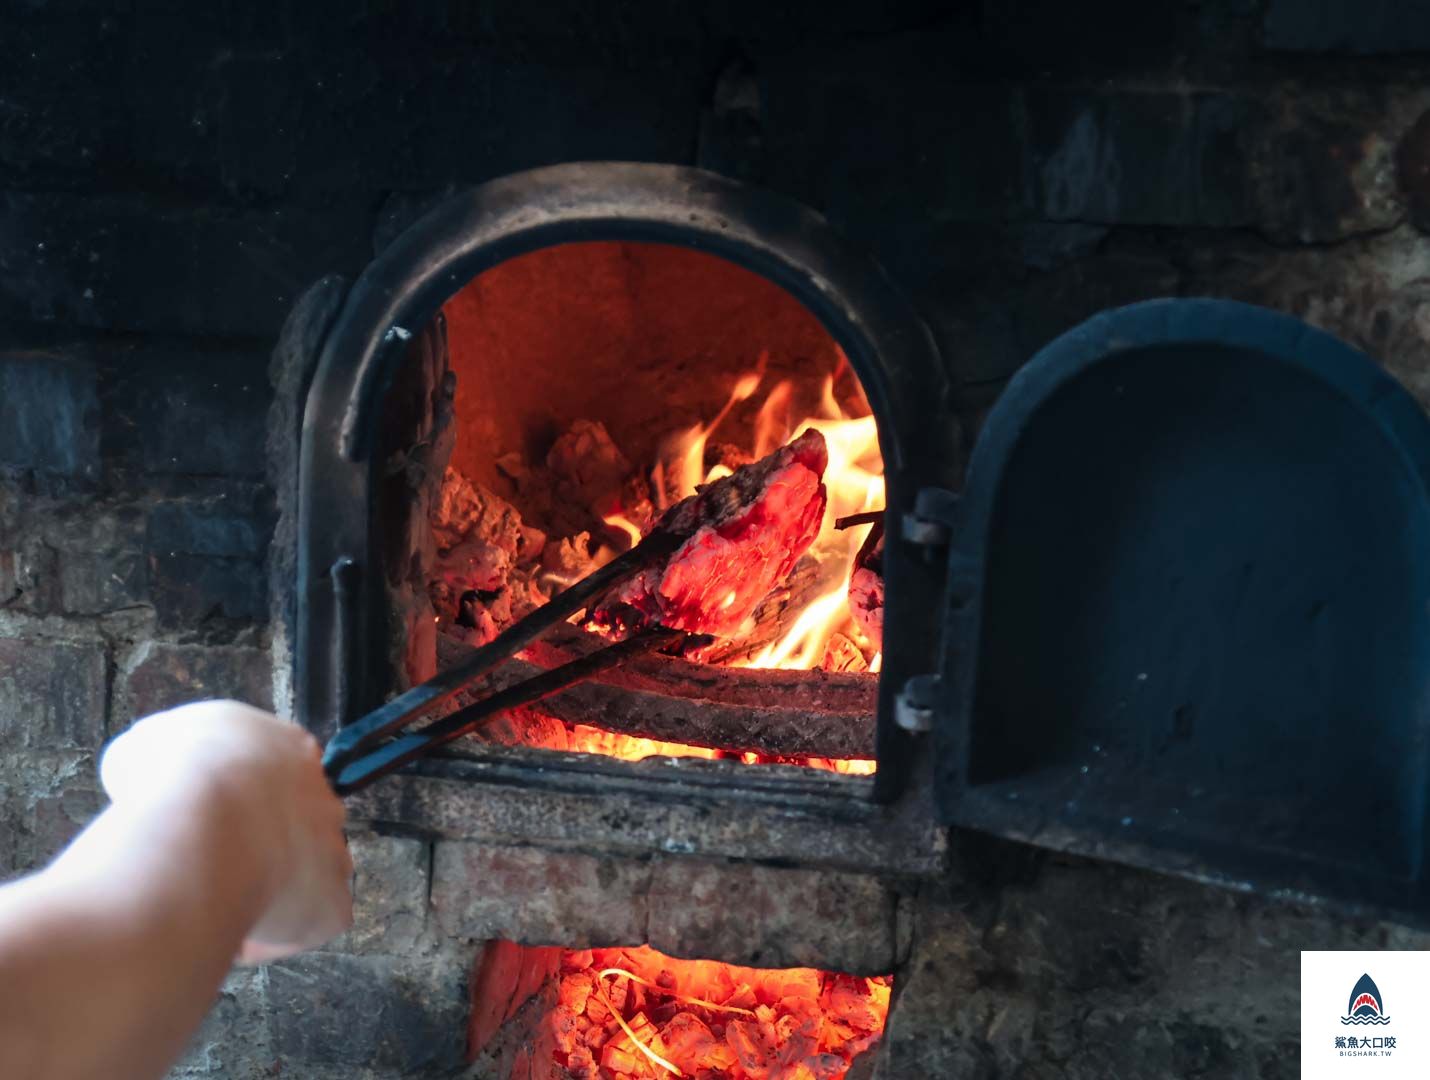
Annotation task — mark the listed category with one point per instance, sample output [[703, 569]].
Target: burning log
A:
[[747, 687], [743, 534], [866, 587], [771, 712], [841, 654], [776, 614]]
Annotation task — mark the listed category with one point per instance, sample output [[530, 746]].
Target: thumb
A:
[[121, 766]]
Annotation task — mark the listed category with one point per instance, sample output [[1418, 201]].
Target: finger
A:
[[345, 857], [341, 878], [252, 953], [340, 897], [330, 913], [325, 818], [122, 765]]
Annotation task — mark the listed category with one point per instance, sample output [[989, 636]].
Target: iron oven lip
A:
[[339, 603]]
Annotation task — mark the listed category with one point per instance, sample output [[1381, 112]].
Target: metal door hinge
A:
[[914, 707], [931, 522]]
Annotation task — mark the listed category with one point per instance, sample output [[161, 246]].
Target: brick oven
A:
[[331, 343]]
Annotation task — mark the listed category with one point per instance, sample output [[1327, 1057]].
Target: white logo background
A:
[[1403, 979]]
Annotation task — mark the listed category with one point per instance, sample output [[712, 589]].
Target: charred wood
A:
[[771, 712]]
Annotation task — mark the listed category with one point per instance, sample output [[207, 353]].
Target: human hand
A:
[[266, 774]]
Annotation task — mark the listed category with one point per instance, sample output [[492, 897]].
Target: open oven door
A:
[[1187, 612]]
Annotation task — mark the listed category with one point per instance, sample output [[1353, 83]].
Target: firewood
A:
[[775, 713], [866, 587], [741, 535], [755, 687], [867, 517], [776, 614], [841, 654]]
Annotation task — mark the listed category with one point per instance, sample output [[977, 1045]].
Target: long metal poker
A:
[[362, 770], [365, 734]]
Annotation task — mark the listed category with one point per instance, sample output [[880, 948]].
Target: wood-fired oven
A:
[[1189, 543]]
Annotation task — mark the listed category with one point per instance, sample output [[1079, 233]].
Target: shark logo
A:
[[1365, 1005]]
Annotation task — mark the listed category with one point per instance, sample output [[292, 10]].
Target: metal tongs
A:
[[380, 742]]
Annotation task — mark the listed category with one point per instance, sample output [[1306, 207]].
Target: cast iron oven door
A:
[[1187, 616]]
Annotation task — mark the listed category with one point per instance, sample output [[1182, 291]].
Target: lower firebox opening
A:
[[618, 1013]]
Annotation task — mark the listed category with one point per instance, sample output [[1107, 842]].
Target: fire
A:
[[803, 646], [640, 1014], [854, 480], [772, 423], [625, 525], [584, 739], [686, 449], [592, 740], [848, 766]]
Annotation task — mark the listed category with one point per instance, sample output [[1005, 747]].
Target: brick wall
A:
[[171, 179]]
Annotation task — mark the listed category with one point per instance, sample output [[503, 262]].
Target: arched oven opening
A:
[[563, 402]]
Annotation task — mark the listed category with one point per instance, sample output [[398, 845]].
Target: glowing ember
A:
[[744, 535], [584, 739], [592, 740], [640, 1014]]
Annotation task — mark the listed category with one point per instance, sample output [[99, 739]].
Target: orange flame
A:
[[626, 525], [803, 646], [592, 740], [684, 451], [772, 421], [854, 480]]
